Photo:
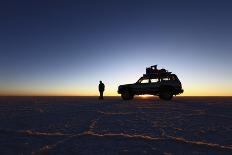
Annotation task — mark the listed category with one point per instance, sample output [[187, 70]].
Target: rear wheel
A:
[[126, 95], [166, 95]]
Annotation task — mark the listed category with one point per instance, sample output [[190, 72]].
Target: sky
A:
[[54, 47]]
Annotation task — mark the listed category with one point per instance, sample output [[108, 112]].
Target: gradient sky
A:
[[65, 47]]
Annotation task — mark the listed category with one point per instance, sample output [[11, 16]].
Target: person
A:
[[101, 88]]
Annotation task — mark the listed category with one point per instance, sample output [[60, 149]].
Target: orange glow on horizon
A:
[[188, 91], [145, 96]]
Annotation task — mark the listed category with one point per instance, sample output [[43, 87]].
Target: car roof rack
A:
[[155, 73]]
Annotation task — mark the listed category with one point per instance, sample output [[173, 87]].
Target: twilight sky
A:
[[65, 47]]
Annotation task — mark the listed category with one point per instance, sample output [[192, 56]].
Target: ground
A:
[[85, 125]]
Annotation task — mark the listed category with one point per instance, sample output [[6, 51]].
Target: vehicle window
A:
[[145, 81], [154, 80], [165, 79]]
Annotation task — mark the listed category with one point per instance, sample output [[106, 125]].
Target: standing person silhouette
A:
[[101, 88]]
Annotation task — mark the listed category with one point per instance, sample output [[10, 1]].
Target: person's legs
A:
[[101, 95]]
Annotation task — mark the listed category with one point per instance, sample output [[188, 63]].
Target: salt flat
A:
[[85, 125]]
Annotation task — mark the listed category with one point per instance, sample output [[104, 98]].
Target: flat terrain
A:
[[85, 125]]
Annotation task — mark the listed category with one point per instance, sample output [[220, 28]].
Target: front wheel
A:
[[127, 95], [166, 95]]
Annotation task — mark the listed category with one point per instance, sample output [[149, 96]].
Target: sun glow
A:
[[146, 96]]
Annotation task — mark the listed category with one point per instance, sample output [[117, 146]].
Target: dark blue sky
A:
[[66, 47]]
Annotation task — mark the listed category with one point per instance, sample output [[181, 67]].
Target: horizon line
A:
[[105, 96]]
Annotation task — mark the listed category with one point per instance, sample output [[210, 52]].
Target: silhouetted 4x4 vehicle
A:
[[154, 82]]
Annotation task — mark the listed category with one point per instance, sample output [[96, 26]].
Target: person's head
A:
[[100, 81]]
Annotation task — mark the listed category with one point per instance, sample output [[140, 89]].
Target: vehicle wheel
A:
[[166, 95], [127, 95]]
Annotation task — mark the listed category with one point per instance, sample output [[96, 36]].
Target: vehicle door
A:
[[143, 86], [154, 86]]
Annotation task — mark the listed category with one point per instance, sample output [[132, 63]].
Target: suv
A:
[[154, 82]]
